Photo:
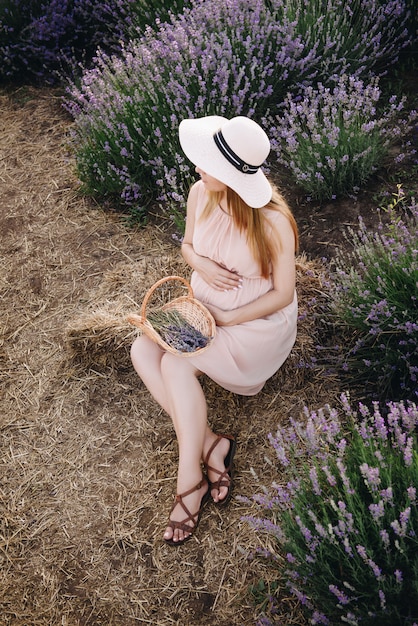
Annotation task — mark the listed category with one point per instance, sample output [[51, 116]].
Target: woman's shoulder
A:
[[197, 188], [278, 209], [197, 195], [279, 218], [274, 213]]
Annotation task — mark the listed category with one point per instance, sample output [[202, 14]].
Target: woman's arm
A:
[[284, 279], [214, 274]]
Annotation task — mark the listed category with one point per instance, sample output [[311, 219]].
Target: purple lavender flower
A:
[[384, 535], [382, 599], [371, 476], [398, 576], [319, 618], [313, 474], [377, 510], [340, 595], [387, 495], [412, 494], [330, 477]]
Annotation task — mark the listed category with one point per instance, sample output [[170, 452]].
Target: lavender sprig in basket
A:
[[182, 326], [177, 331]]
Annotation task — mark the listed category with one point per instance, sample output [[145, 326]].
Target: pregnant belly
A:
[[251, 289]]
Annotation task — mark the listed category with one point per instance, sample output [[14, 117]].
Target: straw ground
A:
[[87, 458]]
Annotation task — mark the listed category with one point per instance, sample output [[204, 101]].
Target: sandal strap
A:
[[190, 517], [182, 525], [224, 479], [211, 449]]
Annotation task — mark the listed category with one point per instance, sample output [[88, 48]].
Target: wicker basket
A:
[[191, 309]]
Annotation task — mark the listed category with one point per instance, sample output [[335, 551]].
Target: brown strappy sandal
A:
[[225, 477], [194, 519]]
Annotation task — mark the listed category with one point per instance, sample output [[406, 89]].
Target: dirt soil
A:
[[87, 458]]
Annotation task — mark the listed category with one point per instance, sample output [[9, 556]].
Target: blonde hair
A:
[[264, 245]]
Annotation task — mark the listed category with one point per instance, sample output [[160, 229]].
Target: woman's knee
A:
[[143, 351], [136, 349], [173, 366]]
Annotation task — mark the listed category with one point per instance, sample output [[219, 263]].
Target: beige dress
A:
[[241, 357]]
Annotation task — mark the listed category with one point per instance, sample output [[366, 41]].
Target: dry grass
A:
[[87, 458]]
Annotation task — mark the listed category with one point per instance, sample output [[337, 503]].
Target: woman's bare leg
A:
[[146, 358], [188, 412], [173, 383]]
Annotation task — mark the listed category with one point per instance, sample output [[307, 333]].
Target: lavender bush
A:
[[333, 138], [228, 58], [375, 305], [42, 39], [357, 37], [218, 57], [345, 516]]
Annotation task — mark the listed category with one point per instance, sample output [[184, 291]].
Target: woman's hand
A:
[[222, 318], [217, 276]]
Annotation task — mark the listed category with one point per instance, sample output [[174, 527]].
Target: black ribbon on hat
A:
[[233, 158]]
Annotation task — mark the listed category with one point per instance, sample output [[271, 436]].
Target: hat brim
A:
[[198, 144]]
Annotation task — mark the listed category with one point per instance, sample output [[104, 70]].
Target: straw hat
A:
[[231, 151]]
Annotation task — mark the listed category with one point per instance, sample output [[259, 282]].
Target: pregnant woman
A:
[[240, 241]]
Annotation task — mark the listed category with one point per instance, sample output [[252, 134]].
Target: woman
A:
[[240, 241]]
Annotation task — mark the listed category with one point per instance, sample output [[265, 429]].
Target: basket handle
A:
[[163, 280]]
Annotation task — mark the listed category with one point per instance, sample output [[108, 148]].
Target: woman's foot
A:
[[182, 522], [218, 464]]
